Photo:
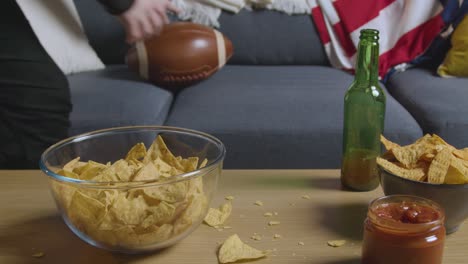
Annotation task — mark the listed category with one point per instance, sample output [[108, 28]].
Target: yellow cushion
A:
[[456, 60]]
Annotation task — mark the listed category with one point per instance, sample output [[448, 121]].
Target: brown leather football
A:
[[183, 54]]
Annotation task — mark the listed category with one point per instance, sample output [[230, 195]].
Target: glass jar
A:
[[403, 229]]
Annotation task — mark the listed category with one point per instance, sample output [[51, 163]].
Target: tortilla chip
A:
[[336, 243], [416, 174], [119, 171], [427, 157], [159, 149], [90, 170], [388, 144], [274, 223], [159, 234], [38, 255], [457, 173], [439, 141], [68, 174], [129, 211], [147, 172], [189, 164], [71, 165], [195, 210], [164, 169], [217, 217], [137, 152], [161, 214], [63, 192], [461, 153], [439, 167], [454, 176], [409, 155], [203, 163], [256, 237], [170, 193], [233, 249], [85, 210]]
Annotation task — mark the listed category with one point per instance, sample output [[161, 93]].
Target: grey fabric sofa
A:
[[278, 104]]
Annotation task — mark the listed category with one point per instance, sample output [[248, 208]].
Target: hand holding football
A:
[[183, 54]]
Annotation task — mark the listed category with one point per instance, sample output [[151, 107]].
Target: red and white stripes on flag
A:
[[407, 28]]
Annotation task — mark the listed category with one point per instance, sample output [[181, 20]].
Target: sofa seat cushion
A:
[[438, 104], [115, 97], [278, 116]]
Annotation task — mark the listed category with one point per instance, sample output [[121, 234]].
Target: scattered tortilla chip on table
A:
[[258, 203], [217, 217], [273, 223], [38, 255], [336, 243], [276, 236], [256, 236], [233, 249]]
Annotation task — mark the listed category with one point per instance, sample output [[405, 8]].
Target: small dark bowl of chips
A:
[[134, 189], [452, 197], [429, 168]]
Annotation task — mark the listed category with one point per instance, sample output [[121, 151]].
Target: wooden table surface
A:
[[29, 222]]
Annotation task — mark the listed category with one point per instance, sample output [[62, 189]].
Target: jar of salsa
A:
[[403, 229]]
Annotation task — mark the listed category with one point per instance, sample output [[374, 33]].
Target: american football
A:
[[183, 54]]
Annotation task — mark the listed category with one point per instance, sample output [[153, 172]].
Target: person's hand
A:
[[146, 18]]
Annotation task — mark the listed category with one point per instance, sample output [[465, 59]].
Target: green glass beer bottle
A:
[[364, 114]]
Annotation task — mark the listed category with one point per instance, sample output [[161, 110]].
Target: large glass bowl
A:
[[85, 216]]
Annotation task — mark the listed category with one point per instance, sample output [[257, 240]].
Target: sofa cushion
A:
[[278, 116], [438, 104], [115, 97], [273, 38]]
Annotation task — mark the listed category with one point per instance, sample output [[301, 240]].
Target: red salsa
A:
[[403, 229], [407, 212]]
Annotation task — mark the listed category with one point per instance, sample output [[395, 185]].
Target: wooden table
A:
[[29, 222]]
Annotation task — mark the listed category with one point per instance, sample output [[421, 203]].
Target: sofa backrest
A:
[[259, 37], [104, 31], [273, 38]]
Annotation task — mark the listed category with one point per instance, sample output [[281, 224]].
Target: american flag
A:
[[407, 28]]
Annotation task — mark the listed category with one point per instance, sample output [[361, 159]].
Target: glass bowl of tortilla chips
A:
[[134, 189]]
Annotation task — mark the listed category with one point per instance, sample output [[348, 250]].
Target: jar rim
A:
[[401, 226]]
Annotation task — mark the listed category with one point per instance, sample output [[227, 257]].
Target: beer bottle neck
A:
[[367, 65]]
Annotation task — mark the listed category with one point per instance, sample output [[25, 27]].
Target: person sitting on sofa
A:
[[34, 95]]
